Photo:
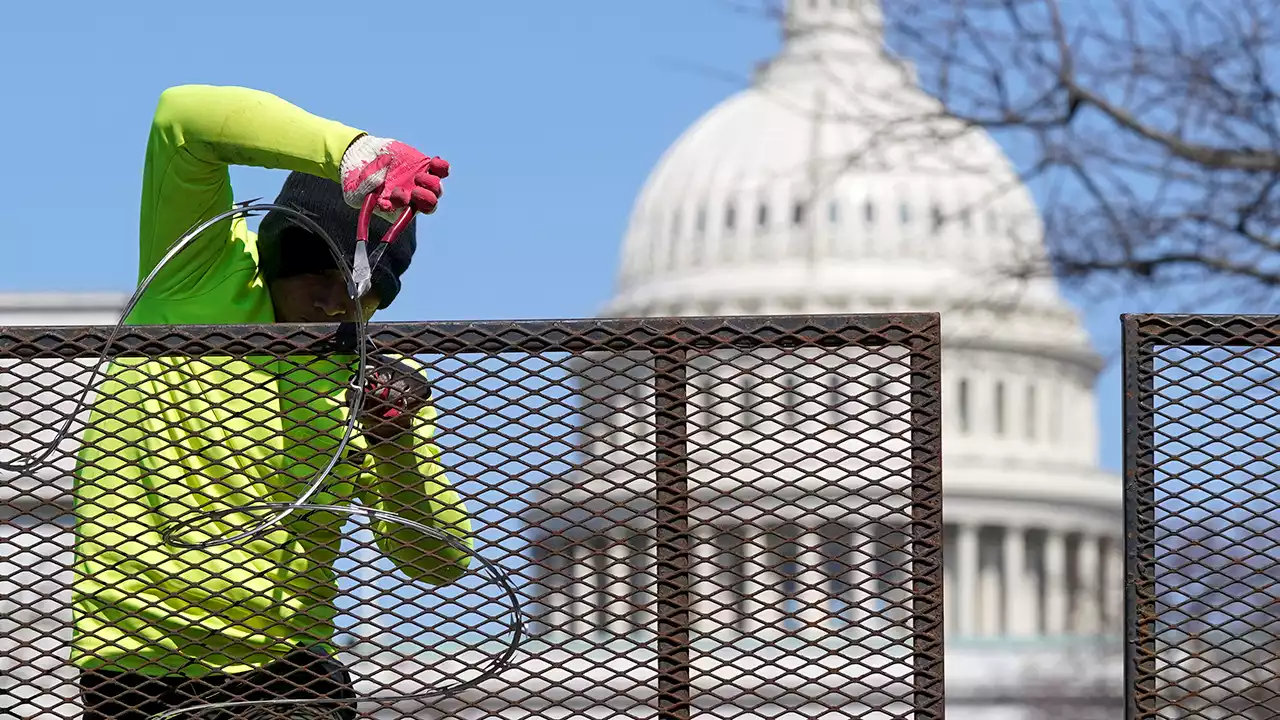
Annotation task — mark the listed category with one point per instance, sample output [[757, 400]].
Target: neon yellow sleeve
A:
[[406, 478], [198, 132]]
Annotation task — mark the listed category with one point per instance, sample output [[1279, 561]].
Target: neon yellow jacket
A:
[[170, 436]]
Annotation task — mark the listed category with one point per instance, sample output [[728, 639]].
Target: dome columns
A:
[[1022, 582], [1019, 618]]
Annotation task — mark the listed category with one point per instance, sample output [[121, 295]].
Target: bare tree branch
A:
[[1148, 130], [1152, 125]]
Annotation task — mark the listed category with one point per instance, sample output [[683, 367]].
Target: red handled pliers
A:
[[364, 263]]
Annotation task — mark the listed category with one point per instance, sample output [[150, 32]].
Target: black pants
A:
[[302, 674]]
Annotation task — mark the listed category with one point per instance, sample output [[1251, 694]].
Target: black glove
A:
[[395, 392]]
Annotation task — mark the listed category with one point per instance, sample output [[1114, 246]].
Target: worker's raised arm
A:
[[198, 131]]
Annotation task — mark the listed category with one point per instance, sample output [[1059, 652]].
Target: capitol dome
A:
[[834, 184]]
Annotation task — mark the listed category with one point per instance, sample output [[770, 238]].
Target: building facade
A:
[[833, 184]]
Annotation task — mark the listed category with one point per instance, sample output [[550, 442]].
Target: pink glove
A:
[[400, 175]]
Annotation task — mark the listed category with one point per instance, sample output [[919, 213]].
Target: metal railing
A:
[[1202, 501], [713, 517]]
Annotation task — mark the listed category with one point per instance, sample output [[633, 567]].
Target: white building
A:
[[821, 189], [35, 610]]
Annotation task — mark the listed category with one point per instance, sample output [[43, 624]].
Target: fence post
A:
[[1140, 613], [673, 549], [927, 527]]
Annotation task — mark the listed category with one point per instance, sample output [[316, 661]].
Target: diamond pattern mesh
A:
[[1202, 407], [712, 518]]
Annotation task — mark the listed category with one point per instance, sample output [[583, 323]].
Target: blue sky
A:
[[552, 114]]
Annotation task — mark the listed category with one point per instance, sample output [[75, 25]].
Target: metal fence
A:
[[1202, 450], [723, 517]]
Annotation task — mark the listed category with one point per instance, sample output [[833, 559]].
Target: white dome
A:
[[821, 188]]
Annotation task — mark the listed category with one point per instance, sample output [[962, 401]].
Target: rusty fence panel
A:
[[1202, 503], [705, 517]]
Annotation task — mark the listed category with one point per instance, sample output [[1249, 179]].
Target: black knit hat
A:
[[286, 249]]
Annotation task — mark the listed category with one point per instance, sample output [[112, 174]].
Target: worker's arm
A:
[[198, 132], [404, 475]]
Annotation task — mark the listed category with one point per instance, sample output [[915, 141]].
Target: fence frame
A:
[[672, 341], [1141, 335]]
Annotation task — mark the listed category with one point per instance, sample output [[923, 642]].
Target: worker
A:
[[162, 625]]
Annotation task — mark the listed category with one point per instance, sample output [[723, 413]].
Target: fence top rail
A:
[[534, 336], [1204, 330]]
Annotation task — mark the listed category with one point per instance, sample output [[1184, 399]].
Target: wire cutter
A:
[[364, 263]]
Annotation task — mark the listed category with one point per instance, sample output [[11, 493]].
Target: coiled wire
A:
[[491, 570]]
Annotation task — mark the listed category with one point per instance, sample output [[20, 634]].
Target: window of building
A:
[[762, 216], [962, 405], [643, 580], [833, 398], [730, 217], [937, 217], [788, 550], [999, 408], [797, 214], [875, 398], [731, 570], [869, 212], [833, 552], [1055, 413], [904, 213], [749, 403], [1031, 412], [833, 212], [790, 399], [598, 583]]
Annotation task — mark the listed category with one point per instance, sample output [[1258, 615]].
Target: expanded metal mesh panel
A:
[[1202, 420], [712, 518]]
